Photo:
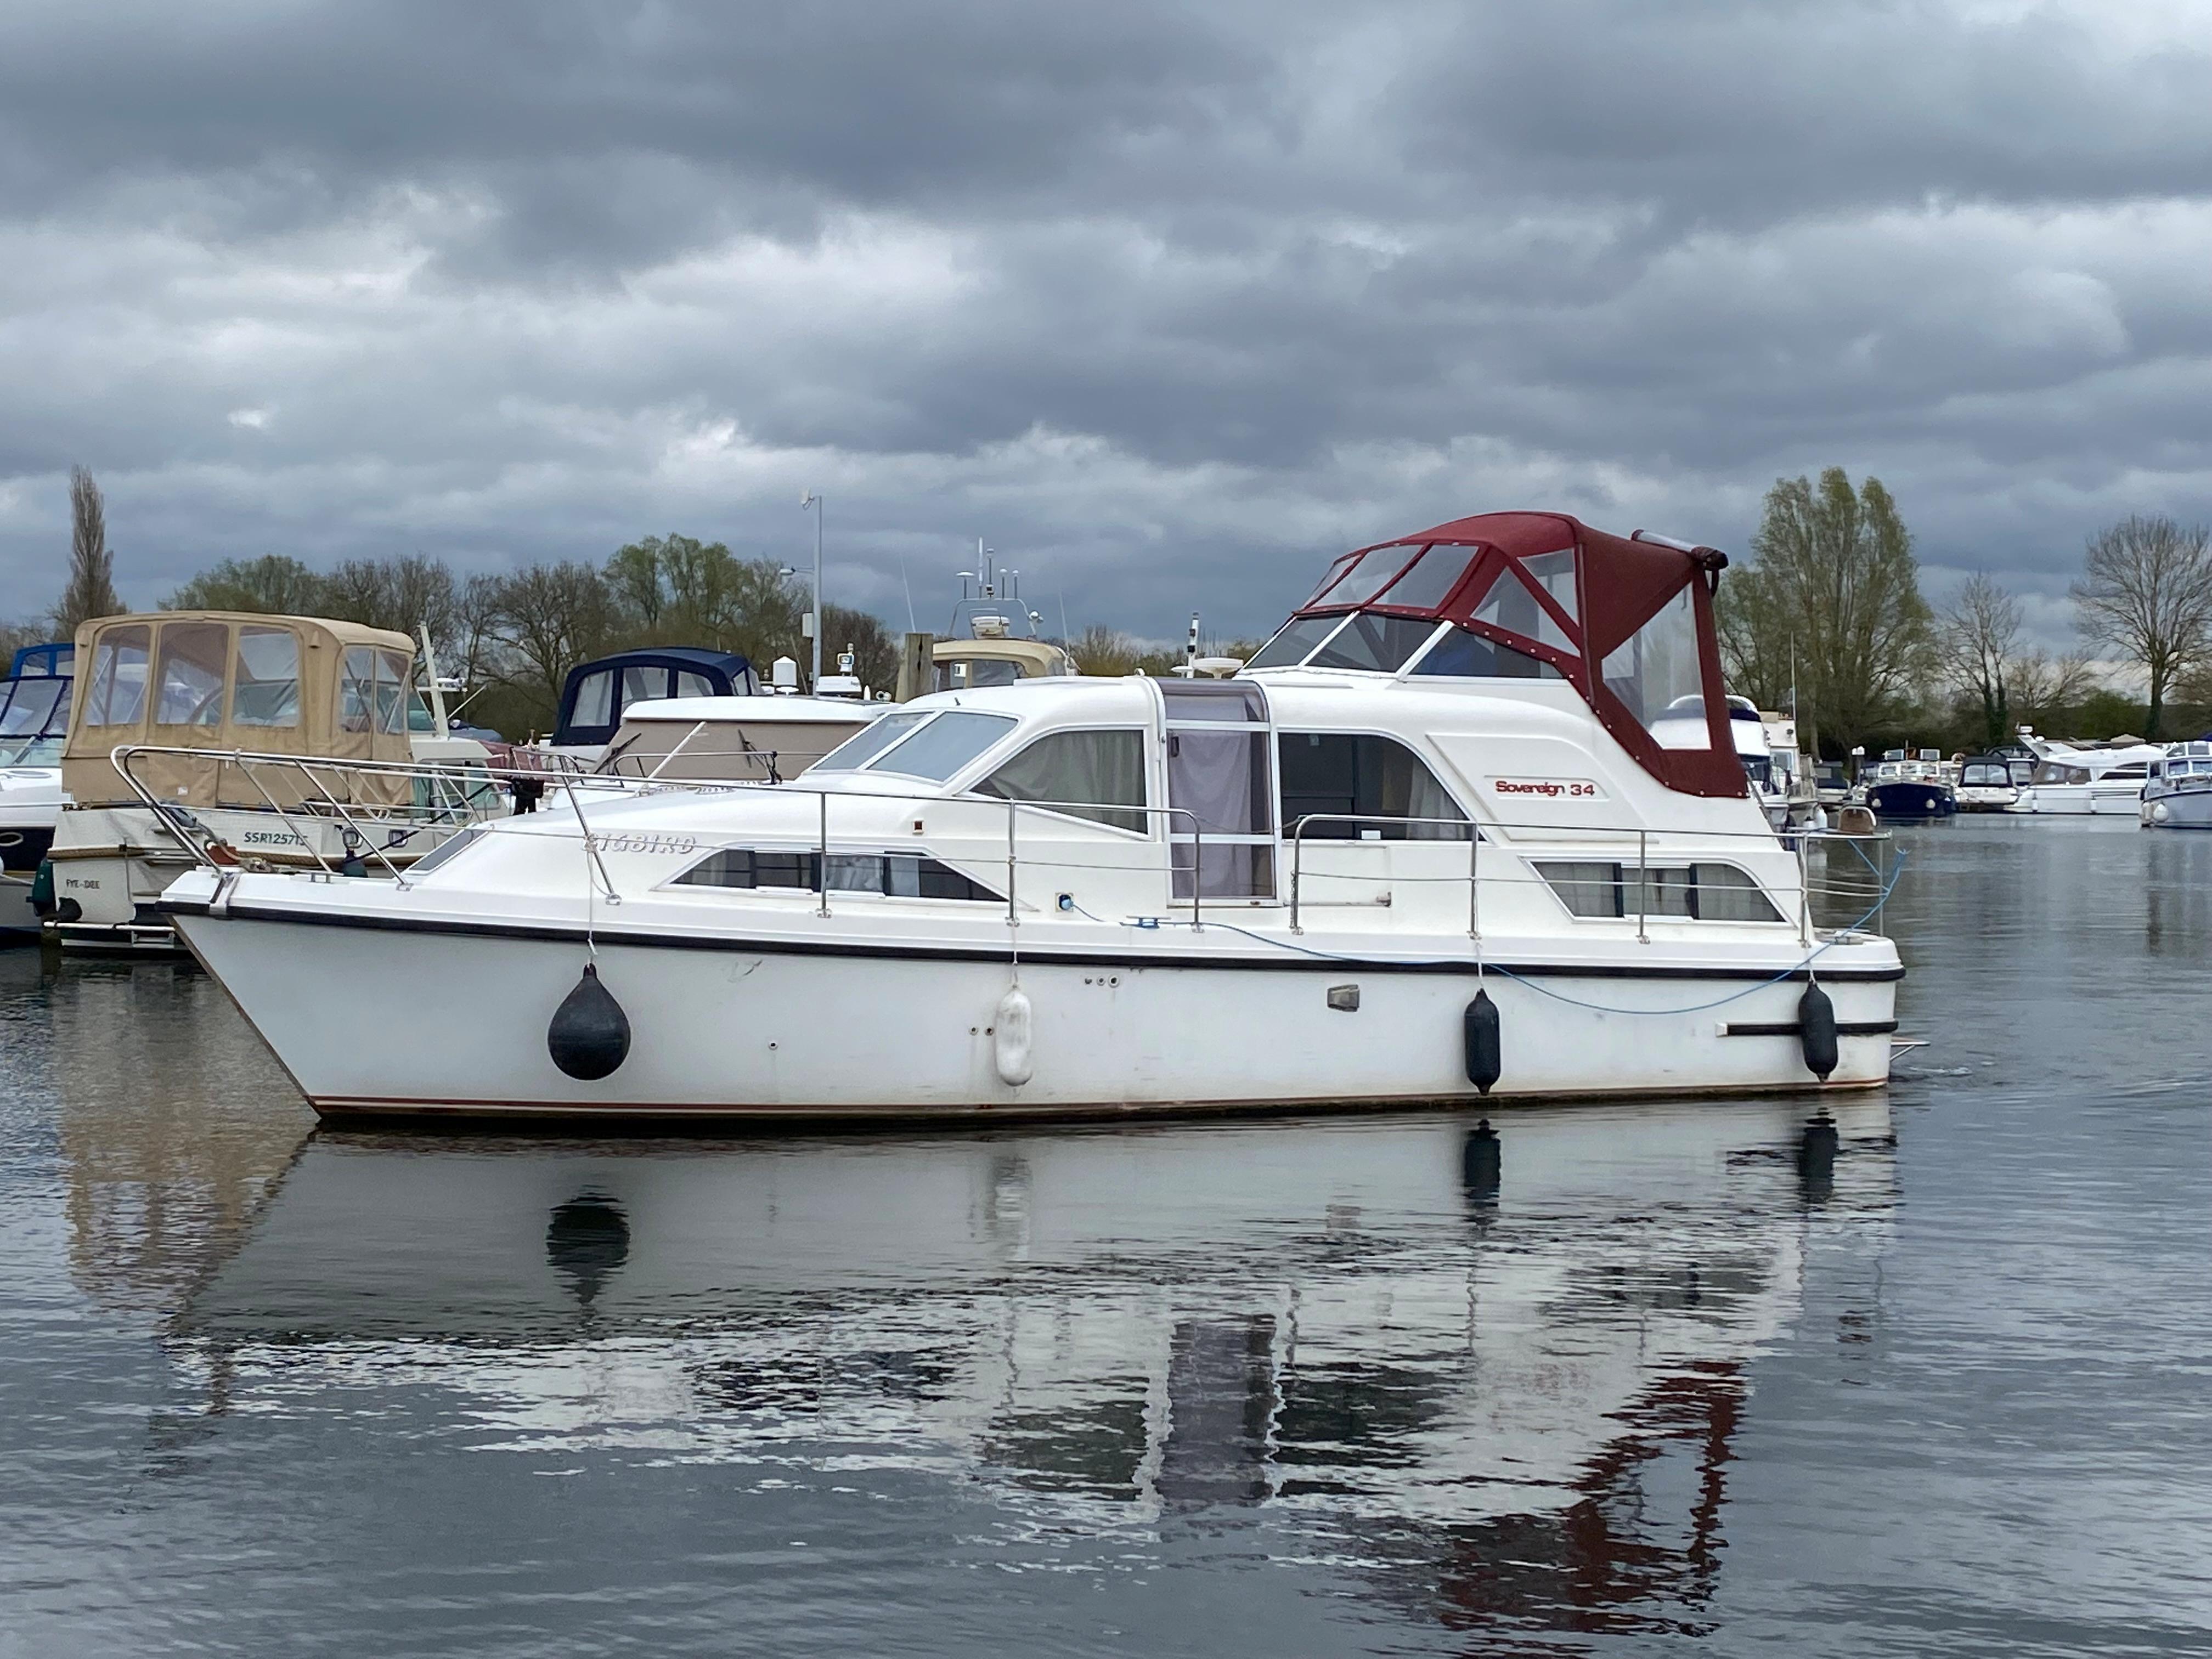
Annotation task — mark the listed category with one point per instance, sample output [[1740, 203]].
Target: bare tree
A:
[[2147, 591], [1099, 649], [1977, 642], [91, 590], [551, 617], [2044, 692]]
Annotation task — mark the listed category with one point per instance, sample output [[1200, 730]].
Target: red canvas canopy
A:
[[1627, 621]]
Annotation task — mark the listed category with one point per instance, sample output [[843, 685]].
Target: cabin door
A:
[[1221, 777]]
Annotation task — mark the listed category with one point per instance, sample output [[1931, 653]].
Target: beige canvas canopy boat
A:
[[220, 680]]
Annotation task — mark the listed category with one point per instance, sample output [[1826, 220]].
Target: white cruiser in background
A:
[[2073, 780], [1426, 847]]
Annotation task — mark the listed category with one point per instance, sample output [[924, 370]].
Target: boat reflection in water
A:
[[1484, 1370]]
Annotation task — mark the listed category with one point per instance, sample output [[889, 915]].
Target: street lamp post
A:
[[811, 500]]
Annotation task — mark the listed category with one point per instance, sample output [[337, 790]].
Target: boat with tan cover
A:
[[228, 714]]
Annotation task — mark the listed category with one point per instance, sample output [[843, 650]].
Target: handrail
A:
[[576, 785], [1297, 827]]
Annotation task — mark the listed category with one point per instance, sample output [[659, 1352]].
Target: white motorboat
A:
[[1427, 847], [1985, 784], [2176, 791], [2074, 779], [280, 739], [34, 717]]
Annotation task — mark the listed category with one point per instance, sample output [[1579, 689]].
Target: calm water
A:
[[1314, 1387]]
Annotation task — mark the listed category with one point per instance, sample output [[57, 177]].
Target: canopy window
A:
[[116, 693], [191, 674], [1627, 621], [1354, 785], [595, 699], [266, 677], [1101, 770], [1372, 641]]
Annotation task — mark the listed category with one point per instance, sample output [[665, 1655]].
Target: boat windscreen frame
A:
[[1620, 585]]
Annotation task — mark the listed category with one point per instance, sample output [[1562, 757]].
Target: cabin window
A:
[[689, 684], [643, 685], [1702, 892], [1986, 777], [1430, 579], [1338, 775], [116, 694], [940, 747], [191, 674], [595, 700], [1296, 642], [865, 745], [1374, 642], [894, 875], [1329, 579], [1656, 673], [966, 673], [265, 679], [1091, 766], [2133, 770], [1467, 654]]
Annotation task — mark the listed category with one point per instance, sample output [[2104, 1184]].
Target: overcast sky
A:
[[1170, 301]]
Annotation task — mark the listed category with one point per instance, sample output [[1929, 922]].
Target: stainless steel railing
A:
[[465, 783]]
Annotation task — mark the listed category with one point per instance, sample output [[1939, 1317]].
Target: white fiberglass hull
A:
[[18, 921], [2188, 810], [768, 1029], [2122, 799]]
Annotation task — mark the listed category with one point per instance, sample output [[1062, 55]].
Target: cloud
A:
[[1167, 302]]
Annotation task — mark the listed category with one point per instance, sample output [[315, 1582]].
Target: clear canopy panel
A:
[[1625, 620]]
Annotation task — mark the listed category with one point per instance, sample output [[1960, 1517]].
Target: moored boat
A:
[[34, 704], [1985, 784], [1430, 846], [281, 740], [2177, 792], [2073, 780], [1902, 791]]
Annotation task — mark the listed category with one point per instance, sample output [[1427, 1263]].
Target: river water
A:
[[1624, 1379]]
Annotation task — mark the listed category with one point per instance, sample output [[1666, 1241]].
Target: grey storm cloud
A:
[[1168, 302]]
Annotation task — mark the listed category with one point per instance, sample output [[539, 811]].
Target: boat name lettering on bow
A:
[[1549, 788], [647, 842]]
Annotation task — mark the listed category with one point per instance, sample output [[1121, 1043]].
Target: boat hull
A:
[[763, 1031], [2186, 810], [2077, 799], [1896, 803]]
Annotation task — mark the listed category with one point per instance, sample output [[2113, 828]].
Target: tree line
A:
[[1828, 618], [515, 636]]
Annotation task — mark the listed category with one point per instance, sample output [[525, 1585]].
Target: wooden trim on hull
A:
[[416, 1113], [1285, 963]]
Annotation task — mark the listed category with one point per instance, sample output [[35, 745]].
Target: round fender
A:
[[589, 1036]]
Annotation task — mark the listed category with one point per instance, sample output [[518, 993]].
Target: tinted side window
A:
[[1341, 774], [1078, 766]]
